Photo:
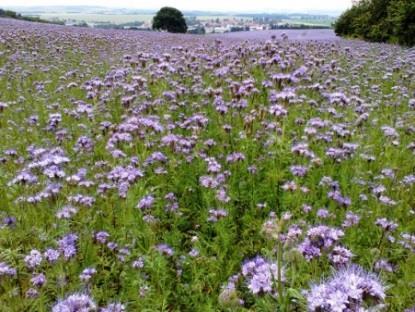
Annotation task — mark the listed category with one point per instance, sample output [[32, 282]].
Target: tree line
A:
[[390, 21]]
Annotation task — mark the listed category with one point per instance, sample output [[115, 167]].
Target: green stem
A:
[[279, 273]]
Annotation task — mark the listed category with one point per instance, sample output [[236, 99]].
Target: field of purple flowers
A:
[[158, 172]]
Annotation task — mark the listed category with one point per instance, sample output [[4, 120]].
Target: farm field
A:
[[257, 171], [97, 18], [310, 22], [115, 18]]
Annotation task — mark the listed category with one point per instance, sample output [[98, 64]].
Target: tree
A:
[[402, 18], [379, 20], [170, 19]]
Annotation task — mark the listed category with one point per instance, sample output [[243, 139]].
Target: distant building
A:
[[257, 27], [221, 29], [70, 23]]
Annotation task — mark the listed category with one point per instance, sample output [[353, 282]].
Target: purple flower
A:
[[66, 212], [51, 255], [75, 303], [408, 241], [194, 252], [387, 201], [409, 179], [390, 132], [114, 307], [6, 270], [222, 196], [208, 182], [67, 245], [34, 259], [337, 196], [340, 256], [87, 274], [25, 177], [349, 289], [54, 120], [138, 263], [235, 157], [101, 237], [319, 239], [9, 221], [216, 215], [302, 149], [146, 202], [32, 293], [350, 220], [260, 275], [84, 144], [38, 280], [213, 165], [87, 201], [165, 249], [323, 213], [278, 110], [386, 225], [299, 171], [383, 265]]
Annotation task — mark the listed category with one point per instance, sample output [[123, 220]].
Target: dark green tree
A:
[[170, 19]]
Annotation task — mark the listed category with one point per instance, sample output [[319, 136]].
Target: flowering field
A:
[[157, 172]]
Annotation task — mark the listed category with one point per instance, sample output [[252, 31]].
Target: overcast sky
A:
[[213, 5]]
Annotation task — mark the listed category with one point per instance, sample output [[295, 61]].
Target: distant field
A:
[[117, 18], [91, 18], [128, 18], [210, 17], [310, 22]]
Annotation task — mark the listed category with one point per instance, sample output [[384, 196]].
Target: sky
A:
[[212, 5]]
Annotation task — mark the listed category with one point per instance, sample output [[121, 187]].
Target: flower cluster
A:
[[350, 289], [321, 239], [261, 275]]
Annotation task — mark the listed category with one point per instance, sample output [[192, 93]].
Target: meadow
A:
[[145, 171]]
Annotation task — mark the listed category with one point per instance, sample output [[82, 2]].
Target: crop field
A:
[[310, 22], [222, 17], [118, 18], [97, 18], [145, 171]]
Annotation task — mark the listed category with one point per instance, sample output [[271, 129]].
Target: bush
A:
[[170, 19]]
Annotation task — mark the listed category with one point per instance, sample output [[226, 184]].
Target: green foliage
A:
[[379, 21], [170, 19], [402, 17]]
